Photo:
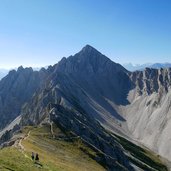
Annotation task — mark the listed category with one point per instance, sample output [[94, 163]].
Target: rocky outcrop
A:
[[90, 131], [77, 95], [151, 80], [16, 89], [98, 83], [148, 114], [88, 93]]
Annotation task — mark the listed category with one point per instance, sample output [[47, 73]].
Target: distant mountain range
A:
[[132, 67]]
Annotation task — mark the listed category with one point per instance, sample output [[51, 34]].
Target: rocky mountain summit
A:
[[89, 77], [72, 89], [92, 97]]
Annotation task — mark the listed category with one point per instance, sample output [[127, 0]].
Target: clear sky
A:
[[40, 32]]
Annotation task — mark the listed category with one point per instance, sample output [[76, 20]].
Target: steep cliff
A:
[[149, 111], [90, 96], [16, 89], [75, 98]]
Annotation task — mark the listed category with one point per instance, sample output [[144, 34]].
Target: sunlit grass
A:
[[55, 155]]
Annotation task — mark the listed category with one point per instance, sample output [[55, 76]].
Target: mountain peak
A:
[[20, 68], [89, 49], [89, 60]]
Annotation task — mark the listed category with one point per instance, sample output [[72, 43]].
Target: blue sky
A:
[[40, 32]]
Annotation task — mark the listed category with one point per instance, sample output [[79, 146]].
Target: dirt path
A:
[[51, 129], [18, 142]]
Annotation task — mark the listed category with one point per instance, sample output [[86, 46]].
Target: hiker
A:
[[32, 155], [37, 157]]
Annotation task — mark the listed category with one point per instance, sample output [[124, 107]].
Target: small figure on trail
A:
[[37, 157], [38, 164], [32, 155]]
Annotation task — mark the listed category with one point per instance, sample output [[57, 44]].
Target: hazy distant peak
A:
[[141, 67]]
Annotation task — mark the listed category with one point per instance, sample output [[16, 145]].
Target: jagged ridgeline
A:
[[91, 99]]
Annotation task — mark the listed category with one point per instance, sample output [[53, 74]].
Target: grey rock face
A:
[[15, 89], [89, 76], [78, 121], [73, 89], [148, 114], [151, 80], [86, 91], [88, 61]]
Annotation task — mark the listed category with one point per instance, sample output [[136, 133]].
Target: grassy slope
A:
[[55, 155], [63, 154]]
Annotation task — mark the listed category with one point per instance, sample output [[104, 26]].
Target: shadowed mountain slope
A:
[[76, 96], [15, 89]]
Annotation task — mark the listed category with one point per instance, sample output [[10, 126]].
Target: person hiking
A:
[[32, 155], [37, 157], [37, 160]]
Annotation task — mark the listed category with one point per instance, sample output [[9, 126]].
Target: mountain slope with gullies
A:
[[92, 79], [149, 111], [82, 91], [69, 98], [16, 89], [90, 97]]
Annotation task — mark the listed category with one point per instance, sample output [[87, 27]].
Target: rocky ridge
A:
[[16, 89], [90, 95], [148, 114], [68, 98]]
